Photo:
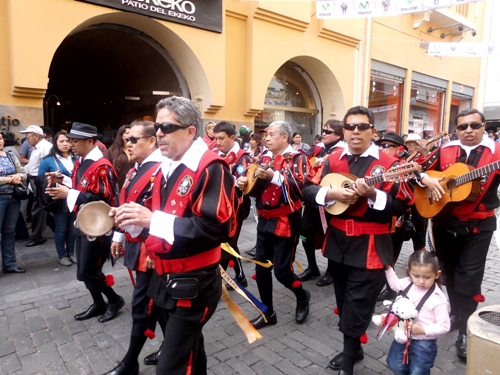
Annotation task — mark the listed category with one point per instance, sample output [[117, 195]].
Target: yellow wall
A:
[[228, 73]]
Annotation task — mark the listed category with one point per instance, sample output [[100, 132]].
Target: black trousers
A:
[[312, 231], [91, 256], [144, 312], [356, 291], [463, 259], [183, 350], [281, 252]]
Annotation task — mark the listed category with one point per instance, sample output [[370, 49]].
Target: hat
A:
[[82, 131], [33, 129], [244, 130], [391, 137], [413, 137]]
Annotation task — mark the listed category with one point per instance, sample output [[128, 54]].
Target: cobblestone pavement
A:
[[38, 334]]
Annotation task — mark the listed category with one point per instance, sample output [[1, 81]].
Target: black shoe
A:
[[259, 322], [112, 310], [121, 369], [327, 279], [152, 359], [454, 322], [337, 360], [243, 282], [462, 347], [16, 269], [388, 293], [252, 252], [302, 309], [308, 274], [35, 243], [92, 311]]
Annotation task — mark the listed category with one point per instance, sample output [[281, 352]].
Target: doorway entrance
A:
[[109, 75]]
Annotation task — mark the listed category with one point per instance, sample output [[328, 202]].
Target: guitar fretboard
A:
[[477, 173]]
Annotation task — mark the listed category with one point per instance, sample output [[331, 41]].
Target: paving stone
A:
[[7, 347], [9, 364], [35, 324], [24, 346]]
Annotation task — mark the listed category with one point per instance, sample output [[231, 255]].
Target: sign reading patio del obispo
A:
[[202, 14]]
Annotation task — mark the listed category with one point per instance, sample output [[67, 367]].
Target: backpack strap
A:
[[424, 298]]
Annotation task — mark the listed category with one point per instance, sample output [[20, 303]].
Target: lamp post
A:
[[49, 119]]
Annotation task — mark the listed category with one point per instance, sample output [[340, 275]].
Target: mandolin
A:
[[426, 143], [255, 186], [346, 180], [461, 182]]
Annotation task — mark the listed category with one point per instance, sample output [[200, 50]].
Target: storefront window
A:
[[290, 98], [458, 104], [426, 110], [385, 100]]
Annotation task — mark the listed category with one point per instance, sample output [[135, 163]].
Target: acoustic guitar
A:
[[346, 180], [461, 183], [255, 186], [426, 143]]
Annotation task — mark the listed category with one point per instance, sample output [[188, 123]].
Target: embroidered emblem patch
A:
[[84, 182], [377, 170], [184, 186]]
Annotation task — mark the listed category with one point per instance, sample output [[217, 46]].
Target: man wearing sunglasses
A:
[[358, 240], [462, 238], [192, 211], [312, 229], [144, 153]]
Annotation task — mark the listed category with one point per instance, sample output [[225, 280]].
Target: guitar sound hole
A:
[[451, 184]]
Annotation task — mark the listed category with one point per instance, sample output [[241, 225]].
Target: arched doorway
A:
[[108, 75], [293, 97]]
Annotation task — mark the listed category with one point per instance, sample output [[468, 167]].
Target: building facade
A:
[[107, 62]]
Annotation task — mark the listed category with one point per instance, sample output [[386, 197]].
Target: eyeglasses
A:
[[168, 127], [473, 125], [362, 126], [134, 140], [328, 132], [387, 145]]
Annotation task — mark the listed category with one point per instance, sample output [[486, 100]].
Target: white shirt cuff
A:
[[277, 179], [119, 237], [71, 200], [67, 181], [162, 226], [380, 201], [133, 230]]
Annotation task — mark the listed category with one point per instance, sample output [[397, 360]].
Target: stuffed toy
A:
[[400, 314]]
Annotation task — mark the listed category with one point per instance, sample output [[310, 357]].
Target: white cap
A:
[[33, 129], [413, 137]]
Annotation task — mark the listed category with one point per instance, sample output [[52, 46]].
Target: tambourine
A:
[[94, 221]]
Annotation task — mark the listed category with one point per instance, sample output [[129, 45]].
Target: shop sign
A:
[[202, 14]]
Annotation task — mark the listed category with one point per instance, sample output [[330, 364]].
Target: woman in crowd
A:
[[297, 143], [60, 159], [119, 156], [255, 146], [11, 173]]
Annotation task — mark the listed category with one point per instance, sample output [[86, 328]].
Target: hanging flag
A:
[[327, 9], [480, 49]]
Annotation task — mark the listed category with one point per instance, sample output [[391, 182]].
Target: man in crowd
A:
[[462, 238], [238, 161], [359, 239], [193, 210], [41, 148], [312, 228], [92, 180], [137, 188], [278, 228]]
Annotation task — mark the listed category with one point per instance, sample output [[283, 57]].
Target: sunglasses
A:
[[167, 127], [134, 140], [473, 125], [387, 145], [328, 132], [362, 126]]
